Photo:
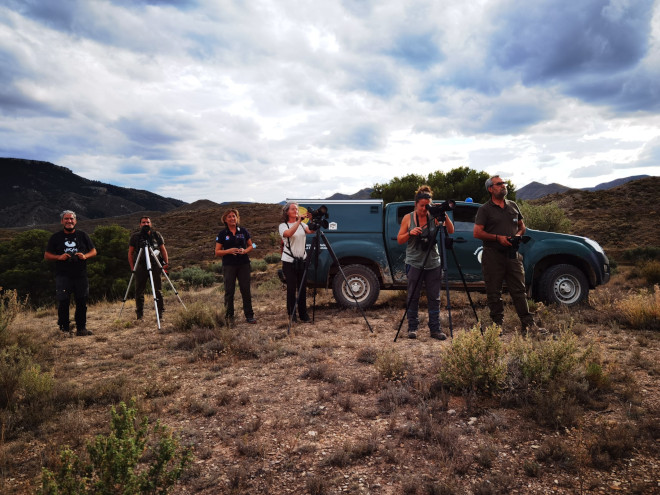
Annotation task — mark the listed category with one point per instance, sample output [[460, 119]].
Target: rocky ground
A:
[[313, 410]]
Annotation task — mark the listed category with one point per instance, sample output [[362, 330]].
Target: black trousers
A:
[[241, 273], [294, 278], [79, 287]]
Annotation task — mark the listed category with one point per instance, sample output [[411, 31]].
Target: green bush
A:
[[272, 258], [194, 276], [550, 217], [258, 265], [643, 253], [24, 389], [131, 459], [474, 362]]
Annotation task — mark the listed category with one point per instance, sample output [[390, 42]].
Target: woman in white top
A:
[[294, 233]]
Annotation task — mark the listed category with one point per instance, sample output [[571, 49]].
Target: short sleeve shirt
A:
[[227, 239], [76, 242], [294, 246], [500, 221], [155, 241]]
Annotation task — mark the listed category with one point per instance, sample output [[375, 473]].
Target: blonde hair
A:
[[226, 214]]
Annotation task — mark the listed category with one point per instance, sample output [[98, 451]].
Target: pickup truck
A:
[[559, 268]]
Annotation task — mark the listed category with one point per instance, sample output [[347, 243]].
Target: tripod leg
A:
[[130, 281], [334, 258], [474, 309], [446, 277], [153, 289], [168, 278], [303, 278]]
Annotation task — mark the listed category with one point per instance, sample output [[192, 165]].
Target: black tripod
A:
[[314, 253], [147, 250], [444, 242]]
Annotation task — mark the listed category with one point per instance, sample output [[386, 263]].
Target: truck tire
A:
[[364, 283], [564, 284]]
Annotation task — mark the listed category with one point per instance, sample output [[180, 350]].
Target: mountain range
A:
[[536, 190], [33, 193]]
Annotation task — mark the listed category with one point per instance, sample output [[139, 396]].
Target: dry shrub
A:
[[641, 310], [196, 315], [612, 444], [393, 396], [391, 365], [650, 270], [320, 371], [367, 355], [555, 450], [474, 362], [352, 452]]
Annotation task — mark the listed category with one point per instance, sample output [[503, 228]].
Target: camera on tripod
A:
[[319, 218], [145, 234], [438, 210]]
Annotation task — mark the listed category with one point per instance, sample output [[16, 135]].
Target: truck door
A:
[[396, 251], [466, 247]]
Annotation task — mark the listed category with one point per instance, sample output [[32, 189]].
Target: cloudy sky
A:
[[267, 99]]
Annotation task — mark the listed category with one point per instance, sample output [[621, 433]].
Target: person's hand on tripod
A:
[[166, 267]]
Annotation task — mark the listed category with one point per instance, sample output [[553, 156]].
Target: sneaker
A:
[[412, 334], [438, 336], [83, 333], [305, 319], [251, 320]]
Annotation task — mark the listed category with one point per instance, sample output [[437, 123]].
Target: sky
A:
[[263, 100]]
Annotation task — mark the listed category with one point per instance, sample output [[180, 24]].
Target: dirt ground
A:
[[307, 411]]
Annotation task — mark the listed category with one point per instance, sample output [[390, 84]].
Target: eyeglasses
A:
[[500, 184]]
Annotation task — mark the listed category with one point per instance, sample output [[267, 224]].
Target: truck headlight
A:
[[594, 245]]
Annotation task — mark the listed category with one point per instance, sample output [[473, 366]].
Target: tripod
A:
[[314, 253], [444, 241], [147, 250]]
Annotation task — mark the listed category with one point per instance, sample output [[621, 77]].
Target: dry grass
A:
[[331, 407]]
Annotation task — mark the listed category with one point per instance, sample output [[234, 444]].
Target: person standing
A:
[[497, 221], [233, 245], [70, 249], [294, 236], [419, 230], [144, 238]]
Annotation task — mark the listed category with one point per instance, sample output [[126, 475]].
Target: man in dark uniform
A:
[[498, 220], [70, 250], [155, 240]]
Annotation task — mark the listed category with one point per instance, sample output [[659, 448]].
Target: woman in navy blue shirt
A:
[[233, 245]]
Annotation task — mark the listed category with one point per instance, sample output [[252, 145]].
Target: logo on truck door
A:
[[478, 253]]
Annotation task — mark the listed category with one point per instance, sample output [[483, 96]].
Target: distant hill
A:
[[535, 190], [35, 192], [615, 183], [361, 194]]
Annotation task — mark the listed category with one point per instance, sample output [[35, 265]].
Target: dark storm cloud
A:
[[592, 49], [13, 100]]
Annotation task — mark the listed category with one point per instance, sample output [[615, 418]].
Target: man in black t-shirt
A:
[[70, 250], [157, 244]]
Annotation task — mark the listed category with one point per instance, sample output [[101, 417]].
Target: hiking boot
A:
[[305, 319], [438, 336], [412, 334], [64, 328], [83, 332], [251, 320]]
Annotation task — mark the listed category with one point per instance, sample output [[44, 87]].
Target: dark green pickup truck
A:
[[559, 268]]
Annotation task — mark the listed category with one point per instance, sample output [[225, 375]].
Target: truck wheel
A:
[[564, 284], [362, 281]]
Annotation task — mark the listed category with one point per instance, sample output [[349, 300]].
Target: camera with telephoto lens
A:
[[145, 233], [438, 210], [515, 241], [319, 218]]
